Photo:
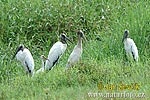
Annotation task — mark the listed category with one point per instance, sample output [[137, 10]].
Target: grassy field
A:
[[38, 23]]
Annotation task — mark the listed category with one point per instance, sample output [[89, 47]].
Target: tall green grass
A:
[[38, 23]]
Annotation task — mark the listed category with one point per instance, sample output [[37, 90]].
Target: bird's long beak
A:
[[21, 47], [84, 38], [14, 55], [122, 39], [46, 58], [69, 40], [124, 36]]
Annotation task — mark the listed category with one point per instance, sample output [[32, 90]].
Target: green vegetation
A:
[[38, 23]]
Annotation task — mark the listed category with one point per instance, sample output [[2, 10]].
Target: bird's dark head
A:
[[125, 36], [20, 48], [44, 58], [81, 34], [64, 38]]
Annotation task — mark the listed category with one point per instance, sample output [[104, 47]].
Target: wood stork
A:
[[25, 57], [77, 51], [43, 67], [56, 51], [130, 47]]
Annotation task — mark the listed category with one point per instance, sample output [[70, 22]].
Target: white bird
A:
[[77, 51], [56, 52], [43, 67], [25, 57], [130, 47]]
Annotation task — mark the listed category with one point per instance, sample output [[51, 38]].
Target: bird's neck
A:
[[79, 41], [43, 64], [64, 42], [124, 40]]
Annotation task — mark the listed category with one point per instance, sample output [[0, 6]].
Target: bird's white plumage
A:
[[54, 54], [74, 56], [25, 57], [40, 70], [131, 49], [43, 67], [20, 56], [77, 51]]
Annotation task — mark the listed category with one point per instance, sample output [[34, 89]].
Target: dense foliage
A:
[[38, 23]]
